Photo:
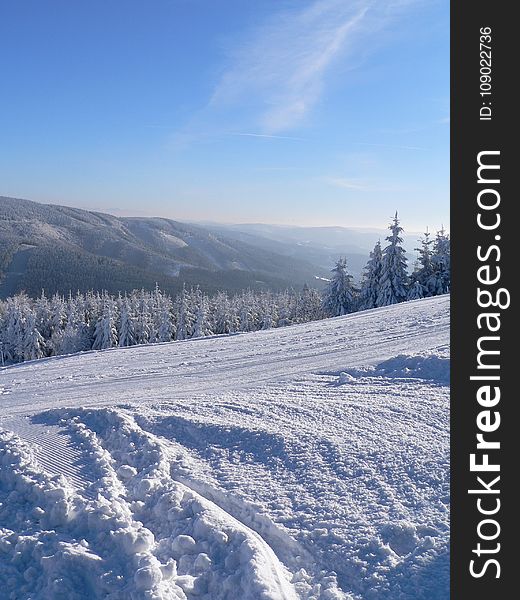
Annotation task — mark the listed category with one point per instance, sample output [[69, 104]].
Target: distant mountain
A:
[[321, 246], [62, 249]]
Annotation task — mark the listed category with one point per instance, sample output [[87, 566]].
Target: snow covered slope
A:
[[309, 462]]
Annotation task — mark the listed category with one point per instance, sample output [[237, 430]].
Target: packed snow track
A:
[[304, 463]]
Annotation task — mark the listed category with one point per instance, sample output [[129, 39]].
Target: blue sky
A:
[[306, 112]]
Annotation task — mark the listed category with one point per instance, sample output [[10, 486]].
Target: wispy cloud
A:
[[279, 169], [282, 66], [270, 136], [358, 185], [391, 146], [349, 184]]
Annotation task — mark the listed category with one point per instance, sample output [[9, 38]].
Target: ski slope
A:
[[309, 462]]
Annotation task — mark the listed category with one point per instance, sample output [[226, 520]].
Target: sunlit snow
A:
[[306, 462]]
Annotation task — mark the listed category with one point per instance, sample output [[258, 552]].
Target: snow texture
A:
[[303, 463]]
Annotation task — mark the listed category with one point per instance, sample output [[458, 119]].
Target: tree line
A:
[[386, 280], [37, 328]]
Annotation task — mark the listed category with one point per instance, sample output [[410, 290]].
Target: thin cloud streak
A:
[[358, 185], [391, 146], [279, 168], [283, 65], [268, 136]]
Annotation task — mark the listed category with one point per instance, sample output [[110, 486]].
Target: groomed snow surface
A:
[[309, 462]]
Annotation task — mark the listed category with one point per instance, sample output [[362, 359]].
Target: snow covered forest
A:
[[42, 327]]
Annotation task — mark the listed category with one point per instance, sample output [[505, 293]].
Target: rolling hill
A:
[[62, 249], [321, 246]]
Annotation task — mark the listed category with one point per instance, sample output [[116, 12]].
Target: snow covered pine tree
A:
[[372, 279], [424, 273], [394, 278], [441, 260], [339, 296]]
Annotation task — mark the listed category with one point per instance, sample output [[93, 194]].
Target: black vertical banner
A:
[[483, 445]]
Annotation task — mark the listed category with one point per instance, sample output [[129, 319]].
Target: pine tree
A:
[[224, 322], [201, 326], [43, 316], [58, 314], [248, 311], [424, 274], [164, 319], [75, 336], [13, 336], [267, 310], [441, 260], [58, 320], [309, 306], [142, 317], [416, 291], [372, 279], [105, 335], [394, 278], [33, 342], [284, 309], [184, 316], [339, 296], [246, 318], [126, 328], [90, 308]]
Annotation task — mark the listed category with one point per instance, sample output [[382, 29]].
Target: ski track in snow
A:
[[309, 462]]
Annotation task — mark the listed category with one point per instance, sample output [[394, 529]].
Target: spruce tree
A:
[[245, 316], [164, 318], [223, 313], [309, 307], [126, 330], [338, 298], [416, 291], [424, 274], [441, 260], [201, 325], [43, 315], [33, 342], [184, 315], [142, 320], [394, 278], [13, 336], [75, 336], [105, 335], [372, 279]]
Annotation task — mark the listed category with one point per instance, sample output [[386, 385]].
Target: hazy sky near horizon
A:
[[305, 112]]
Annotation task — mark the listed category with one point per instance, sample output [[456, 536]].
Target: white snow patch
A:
[[430, 367], [173, 240], [309, 463]]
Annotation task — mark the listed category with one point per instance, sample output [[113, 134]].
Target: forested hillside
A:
[[62, 249]]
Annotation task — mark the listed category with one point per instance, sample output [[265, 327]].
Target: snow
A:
[[173, 239], [303, 463]]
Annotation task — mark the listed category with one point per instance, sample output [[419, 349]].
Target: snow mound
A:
[[145, 535], [430, 367]]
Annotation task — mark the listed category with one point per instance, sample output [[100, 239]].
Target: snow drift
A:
[[310, 462]]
